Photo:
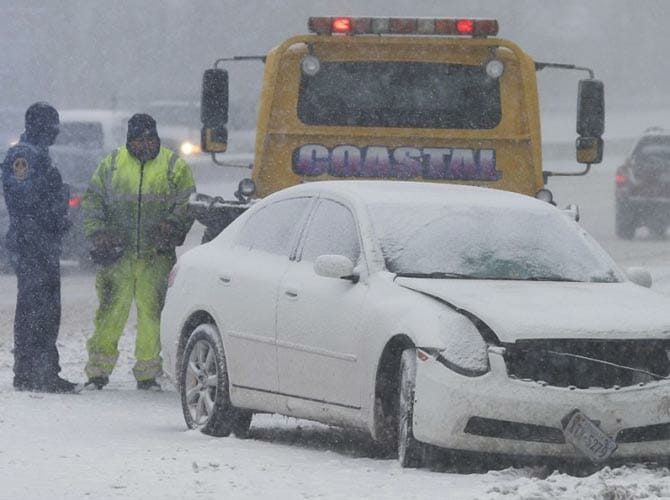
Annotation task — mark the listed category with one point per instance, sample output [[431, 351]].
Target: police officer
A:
[[37, 204], [136, 214]]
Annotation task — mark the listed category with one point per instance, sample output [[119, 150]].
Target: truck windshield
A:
[[400, 94]]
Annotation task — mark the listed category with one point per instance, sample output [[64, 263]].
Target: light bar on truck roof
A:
[[402, 26]]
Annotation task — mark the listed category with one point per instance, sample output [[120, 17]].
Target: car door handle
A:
[[225, 279], [291, 293]]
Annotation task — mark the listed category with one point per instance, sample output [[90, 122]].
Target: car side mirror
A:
[[639, 276], [335, 266], [572, 211]]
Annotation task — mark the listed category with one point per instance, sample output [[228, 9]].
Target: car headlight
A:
[[545, 195], [466, 352], [188, 148]]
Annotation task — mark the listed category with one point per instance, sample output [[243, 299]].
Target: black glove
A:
[[165, 237], [107, 249]]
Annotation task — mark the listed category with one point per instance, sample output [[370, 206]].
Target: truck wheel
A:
[[411, 453], [624, 223], [205, 397]]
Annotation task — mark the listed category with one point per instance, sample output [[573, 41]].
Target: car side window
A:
[[274, 227], [332, 231]]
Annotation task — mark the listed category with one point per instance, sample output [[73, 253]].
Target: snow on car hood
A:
[[526, 310]]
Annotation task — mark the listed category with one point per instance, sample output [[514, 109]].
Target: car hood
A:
[[517, 310]]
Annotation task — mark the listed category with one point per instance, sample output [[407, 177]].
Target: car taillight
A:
[[74, 201], [620, 179], [172, 275]]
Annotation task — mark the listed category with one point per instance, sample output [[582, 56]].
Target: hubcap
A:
[[202, 376]]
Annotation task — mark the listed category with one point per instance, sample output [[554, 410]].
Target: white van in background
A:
[[86, 137]]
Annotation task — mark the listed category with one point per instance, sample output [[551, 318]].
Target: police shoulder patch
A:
[[20, 168]]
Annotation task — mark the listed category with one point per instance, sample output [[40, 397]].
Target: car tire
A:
[[204, 384], [624, 222], [241, 423], [411, 453]]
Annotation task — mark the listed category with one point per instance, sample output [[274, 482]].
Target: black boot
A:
[[58, 385], [23, 384], [149, 385], [97, 382]]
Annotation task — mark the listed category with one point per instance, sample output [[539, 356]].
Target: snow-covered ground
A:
[[121, 443]]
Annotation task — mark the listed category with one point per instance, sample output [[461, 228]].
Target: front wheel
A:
[[411, 453], [204, 386]]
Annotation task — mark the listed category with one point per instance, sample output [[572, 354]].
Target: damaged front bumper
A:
[[494, 413]]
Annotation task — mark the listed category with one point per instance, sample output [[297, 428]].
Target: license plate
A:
[[587, 437]]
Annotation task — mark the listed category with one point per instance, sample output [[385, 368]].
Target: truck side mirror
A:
[[214, 110], [590, 121], [589, 149]]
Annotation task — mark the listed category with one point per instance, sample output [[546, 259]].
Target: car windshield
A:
[[488, 243]]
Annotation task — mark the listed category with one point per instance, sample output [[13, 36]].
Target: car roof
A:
[[101, 115], [371, 192]]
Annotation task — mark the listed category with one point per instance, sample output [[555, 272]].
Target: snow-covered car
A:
[[459, 317]]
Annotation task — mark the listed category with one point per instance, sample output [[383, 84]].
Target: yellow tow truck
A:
[[421, 99]]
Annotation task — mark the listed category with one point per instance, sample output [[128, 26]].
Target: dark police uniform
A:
[[36, 199]]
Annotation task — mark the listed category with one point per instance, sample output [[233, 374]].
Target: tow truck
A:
[[419, 99]]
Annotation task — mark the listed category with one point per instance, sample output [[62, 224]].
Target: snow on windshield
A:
[[488, 243]]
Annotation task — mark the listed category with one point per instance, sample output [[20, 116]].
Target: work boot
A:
[[58, 385], [23, 384], [149, 385], [96, 382]]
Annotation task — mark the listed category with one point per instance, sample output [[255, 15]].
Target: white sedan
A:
[[428, 315]]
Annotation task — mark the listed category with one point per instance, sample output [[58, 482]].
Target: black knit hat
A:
[[141, 125], [41, 117]]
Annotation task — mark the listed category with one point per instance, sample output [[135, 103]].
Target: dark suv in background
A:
[[642, 191]]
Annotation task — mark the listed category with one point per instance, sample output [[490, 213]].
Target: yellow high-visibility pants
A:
[[143, 279]]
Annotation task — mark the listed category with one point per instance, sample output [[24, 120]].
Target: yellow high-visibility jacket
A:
[[130, 199]]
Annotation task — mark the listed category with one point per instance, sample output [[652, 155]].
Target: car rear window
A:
[[653, 153], [274, 228], [86, 135]]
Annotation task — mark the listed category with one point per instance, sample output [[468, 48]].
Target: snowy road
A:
[[119, 443]]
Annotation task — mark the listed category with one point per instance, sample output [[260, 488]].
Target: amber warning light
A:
[[402, 26]]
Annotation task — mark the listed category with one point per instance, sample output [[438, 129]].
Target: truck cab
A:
[[438, 100]]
